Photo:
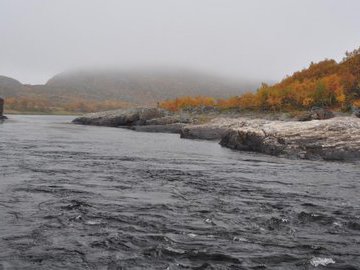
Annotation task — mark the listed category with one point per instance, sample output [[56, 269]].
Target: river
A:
[[83, 197]]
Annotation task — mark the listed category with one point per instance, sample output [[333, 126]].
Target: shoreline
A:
[[337, 138]]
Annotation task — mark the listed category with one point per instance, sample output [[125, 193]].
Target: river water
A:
[[81, 197]]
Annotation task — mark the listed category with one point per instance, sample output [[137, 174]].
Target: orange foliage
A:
[[326, 83], [187, 102]]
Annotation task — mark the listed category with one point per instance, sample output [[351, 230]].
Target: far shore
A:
[[41, 113]]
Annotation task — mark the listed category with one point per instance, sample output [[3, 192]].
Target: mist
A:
[[260, 40]]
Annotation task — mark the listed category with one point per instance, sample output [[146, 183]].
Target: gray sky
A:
[[261, 39]]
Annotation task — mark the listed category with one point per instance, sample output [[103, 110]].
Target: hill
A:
[[144, 86], [9, 86], [92, 90]]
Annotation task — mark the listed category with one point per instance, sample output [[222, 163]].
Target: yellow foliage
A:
[[187, 102], [326, 83]]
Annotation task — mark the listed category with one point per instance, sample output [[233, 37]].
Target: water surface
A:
[[81, 197]]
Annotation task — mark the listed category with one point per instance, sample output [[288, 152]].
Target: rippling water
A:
[[80, 197]]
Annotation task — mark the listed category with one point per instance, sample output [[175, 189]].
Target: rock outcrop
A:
[[332, 139], [116, 118], [2, 116], [139, 119], [214, 130]]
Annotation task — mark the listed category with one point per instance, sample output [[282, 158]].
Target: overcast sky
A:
[[261, 39]]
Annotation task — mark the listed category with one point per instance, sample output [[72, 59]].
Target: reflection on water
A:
[[78, 197]]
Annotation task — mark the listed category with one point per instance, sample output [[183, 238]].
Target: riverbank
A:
[[336, 138], [12, 112]]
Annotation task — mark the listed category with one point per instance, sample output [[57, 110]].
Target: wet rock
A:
[[115, 118]]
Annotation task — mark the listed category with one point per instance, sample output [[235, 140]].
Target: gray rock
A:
[[316, 113], [209, 131], [256, 141], [321, 113], [332, 139], [168, 120], [356, 112], [202, 133], [116, 118], [169, 128]]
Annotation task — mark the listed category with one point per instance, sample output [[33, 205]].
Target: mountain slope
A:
[[143, 87], [9, 86], [87, 91]]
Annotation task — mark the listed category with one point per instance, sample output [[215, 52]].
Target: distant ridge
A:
[[145, 86], [9, 86], [141, 87]]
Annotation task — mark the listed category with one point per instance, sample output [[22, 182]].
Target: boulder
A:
[[321, 113], [253, 140]]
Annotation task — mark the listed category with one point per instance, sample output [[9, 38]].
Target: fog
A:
[[254, 39]]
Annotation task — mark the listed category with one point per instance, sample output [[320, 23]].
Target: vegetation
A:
[[326, 84], [94, 90], [70, 105]]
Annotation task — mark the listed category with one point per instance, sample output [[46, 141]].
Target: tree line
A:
[[325, 84]]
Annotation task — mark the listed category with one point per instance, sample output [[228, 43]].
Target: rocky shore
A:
[[138, 119], [337, 138], [332, 139]]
